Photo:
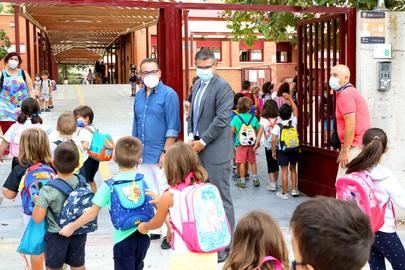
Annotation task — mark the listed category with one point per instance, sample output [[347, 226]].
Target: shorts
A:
[[130, 252], [133, 85], [285, 158], [272, 164], [89, 169], [60, 250], [245, 154], [45, 97]]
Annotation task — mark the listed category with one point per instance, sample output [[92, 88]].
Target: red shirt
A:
[[350, 101]]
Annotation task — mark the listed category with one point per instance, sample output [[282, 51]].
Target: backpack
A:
[[289, 139], [205, 227], [55, 86], [130, 205], [49, 83], [15, 142], [247, 134], [78, 149], [101, 147], [78, 200], [37, 176], [269, 138], [359, 187], [4, 75]]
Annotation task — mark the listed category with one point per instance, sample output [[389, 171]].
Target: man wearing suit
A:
[[209, 130]]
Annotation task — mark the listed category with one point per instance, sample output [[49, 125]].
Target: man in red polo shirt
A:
[[352, 116]]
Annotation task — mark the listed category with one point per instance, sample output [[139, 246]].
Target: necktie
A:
[[196, 107]]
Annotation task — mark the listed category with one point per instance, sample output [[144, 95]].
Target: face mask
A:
[[37, 78], [151, 81], [13, 64], [334, 83], [205, 74], [80, 123]]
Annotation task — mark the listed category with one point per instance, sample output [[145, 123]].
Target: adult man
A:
[[156, 124], [209, 130], [352, 115]]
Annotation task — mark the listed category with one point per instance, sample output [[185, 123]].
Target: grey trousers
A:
[[220, 176]]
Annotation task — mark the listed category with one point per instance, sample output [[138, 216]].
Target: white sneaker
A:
[[272, 187], [282, 195], [295, 193]]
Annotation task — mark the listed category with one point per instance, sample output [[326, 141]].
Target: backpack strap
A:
[[61, 185], [57, 142], [111, 182], [241, 119], [251, 119], [3, 75], [277, 262]]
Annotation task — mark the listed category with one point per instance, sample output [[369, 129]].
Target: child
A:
[[328, 234], [34, 148], [284, 88], [286, 157], [84, 117], [179, 161], [268, 120], [256, 237], [58, 249], [388, 190], [28, 117], [245, 153], [65, 130], [37, 85], [45, 90], [130, 246]]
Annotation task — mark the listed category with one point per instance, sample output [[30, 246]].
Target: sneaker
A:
[[272, 187], [295, 193], [256, 182], [154, 236], [282, 195], [235, 177], [240, 184], [165, 244], [47, 110]]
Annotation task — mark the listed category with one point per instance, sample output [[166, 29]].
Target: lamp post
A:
[[381, 5]]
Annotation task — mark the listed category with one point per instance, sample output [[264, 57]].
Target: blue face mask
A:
[[205, 74], [80, 123], [334, 83]]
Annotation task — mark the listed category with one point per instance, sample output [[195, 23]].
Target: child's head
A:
[[44, 74], [255, 90], [66, 124], [84, 113], [285, 112], [244, 105], [246, 85], [66, 157], [257, 235], [283, 88], [267, 88], [29, 110], [374, 146], [338, 228], [34, 147], [179, 161], [128, 152], [270, 109], [236, 98]]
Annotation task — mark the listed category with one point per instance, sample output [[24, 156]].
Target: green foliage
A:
[[280, 26], [5, 43], [6, 8]]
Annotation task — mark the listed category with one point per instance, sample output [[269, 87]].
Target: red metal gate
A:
[[322, 43]]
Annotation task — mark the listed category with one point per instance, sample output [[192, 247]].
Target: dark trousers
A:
[[387, 245], [130, 253]]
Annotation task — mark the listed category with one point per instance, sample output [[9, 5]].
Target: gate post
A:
[[351, 44], [17, 28], [170, 56]]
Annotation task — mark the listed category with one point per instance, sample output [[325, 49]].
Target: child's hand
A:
[[155, 197], [257, 146], [67, 230], [142, 229], [286, 96], [169, 235]]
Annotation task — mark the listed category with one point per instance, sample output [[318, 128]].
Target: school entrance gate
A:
[[322, 43]]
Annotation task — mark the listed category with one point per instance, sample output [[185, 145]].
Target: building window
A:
[[253, 53], [284, 52], [213, 45]]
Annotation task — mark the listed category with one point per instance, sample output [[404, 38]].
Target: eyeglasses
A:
[[295, 263], [205, 67], [152, 72]]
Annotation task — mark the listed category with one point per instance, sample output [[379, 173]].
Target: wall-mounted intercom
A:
[[384, 76]]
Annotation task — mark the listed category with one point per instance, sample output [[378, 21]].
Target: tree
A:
[[6, 8], [5, 43], [280, 26]]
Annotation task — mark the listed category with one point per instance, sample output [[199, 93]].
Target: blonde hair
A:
[[180, 160], [66, 124], [34, 147], [256, 236]]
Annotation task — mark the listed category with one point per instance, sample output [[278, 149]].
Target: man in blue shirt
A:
[[157, 125]]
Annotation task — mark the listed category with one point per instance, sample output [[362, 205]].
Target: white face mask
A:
[[334, 83], [151, 81], [13, 64]]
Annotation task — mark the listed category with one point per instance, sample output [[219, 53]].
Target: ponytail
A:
[[36, 119], [374, 145], [22, 117]]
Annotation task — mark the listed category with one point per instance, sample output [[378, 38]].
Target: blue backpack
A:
[[77, 202], [101, 147], [34, 179], [130, 205]]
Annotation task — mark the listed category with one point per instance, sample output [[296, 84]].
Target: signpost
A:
[[372, 27]]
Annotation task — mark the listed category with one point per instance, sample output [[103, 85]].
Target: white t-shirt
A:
[[276, 129], [85, 135], [268, 125], [55, 136]]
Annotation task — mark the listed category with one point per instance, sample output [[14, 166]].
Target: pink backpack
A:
[[359, 187], [205, 227], [15, 141]]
